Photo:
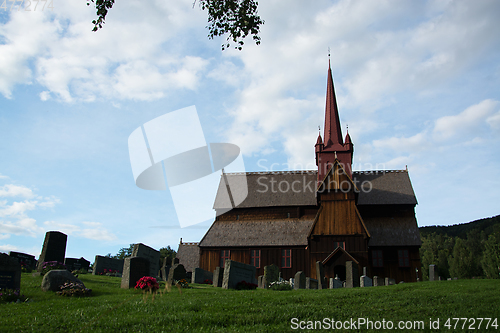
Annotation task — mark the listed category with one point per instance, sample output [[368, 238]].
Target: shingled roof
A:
[[387, 187], [189, 255], [395, 231], [289, 232], [269, 189], [297, 188]]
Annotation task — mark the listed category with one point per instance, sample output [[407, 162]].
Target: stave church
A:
[[332, 215]]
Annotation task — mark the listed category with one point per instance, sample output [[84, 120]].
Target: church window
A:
[[286, 258], [377, 258], [255, 258], [338, 244], [224, 254], [404, 259]]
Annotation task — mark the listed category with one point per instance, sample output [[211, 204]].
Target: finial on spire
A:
[[319, 130], [347, 126]]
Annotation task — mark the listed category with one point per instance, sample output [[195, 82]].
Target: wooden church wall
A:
[[391, 267]]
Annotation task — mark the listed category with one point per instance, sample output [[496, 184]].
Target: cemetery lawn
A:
[[204, 308]]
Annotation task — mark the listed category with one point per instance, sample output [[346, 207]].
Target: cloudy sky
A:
[[417, 83]]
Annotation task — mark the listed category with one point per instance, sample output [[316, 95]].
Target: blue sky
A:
[[417, 83]]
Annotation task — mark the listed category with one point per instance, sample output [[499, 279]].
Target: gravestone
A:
[[10, 272], [235, 272], [74, 264], [54, 248], [55, 278], [262, 282], [165, 269], [300, 280], [144, 251], [365, 281], [109, 264], [320, 275], [364, 271], [311, 283], [378, 281], [432, 272], [134, 268], [352, 275], [24, 259], [201, 275], [271, 273], [389, 281], [218, 276], [335, 283], [177, 273]]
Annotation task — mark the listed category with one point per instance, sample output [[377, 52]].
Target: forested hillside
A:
[[463, 250]]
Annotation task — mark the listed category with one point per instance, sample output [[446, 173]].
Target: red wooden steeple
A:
[[333, 146]]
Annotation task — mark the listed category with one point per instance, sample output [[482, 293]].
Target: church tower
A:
[[332, 147]]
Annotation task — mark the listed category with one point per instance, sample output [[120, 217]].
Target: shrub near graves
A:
[[10, 295], [74, 289], [280, 285]]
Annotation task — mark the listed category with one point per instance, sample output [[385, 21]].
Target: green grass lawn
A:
[[208, 309]]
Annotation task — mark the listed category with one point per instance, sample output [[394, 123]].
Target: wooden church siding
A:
[[338, 218], [209, 259], [391, 268]]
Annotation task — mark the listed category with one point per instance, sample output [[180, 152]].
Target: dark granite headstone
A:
[[109, 264], [24, 259], [141, 250], [365, 281], [352, 274], [74, 264], [134, 268], [271, 273], [236, 272], [218, 276], [299, 280], [176, 273], [10, 272], [201, 275], [54, 248]]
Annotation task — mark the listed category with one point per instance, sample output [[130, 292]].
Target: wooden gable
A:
[[338, 214]]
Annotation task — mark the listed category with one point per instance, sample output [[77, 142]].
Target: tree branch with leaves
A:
[[235, 18]]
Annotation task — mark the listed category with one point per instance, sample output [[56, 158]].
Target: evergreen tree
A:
[[491, 257]]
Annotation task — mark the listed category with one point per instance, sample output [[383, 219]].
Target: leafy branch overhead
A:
[[236, 18]]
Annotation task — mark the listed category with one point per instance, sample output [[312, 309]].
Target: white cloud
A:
[[415, 143], [465, 123], [11, 190], [4, 236], [8, 247], [4, 177], [494, 121], [94, 230]]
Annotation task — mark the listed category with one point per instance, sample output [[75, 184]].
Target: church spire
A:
[[333, 147], [333, 133]]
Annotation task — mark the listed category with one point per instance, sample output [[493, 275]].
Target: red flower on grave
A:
[[147, 282]]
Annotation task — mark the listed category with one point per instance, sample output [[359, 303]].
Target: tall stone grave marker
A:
[[104, 263], [272, 274], [432, 272], [218, 277], [235, 272], [300, 280], [352, 274], [389, 281], [320, 275], [144, 251], [134, 268], [54, 248], [165, 269], [10, 272]]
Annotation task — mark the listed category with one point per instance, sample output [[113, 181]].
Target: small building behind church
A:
[[333, 215]]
